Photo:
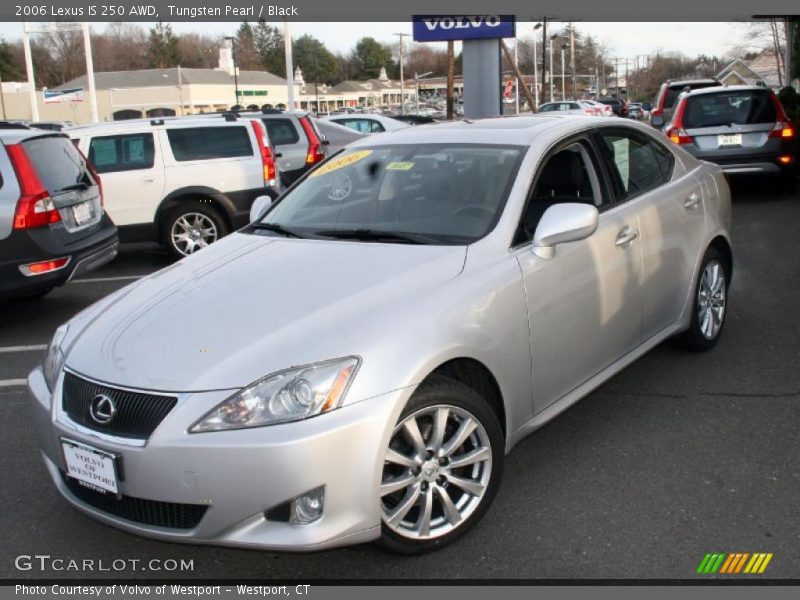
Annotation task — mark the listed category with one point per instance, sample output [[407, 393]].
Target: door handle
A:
[[626, 236], [148, 180], [692, 200]]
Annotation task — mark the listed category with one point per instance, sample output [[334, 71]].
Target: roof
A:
[[727, 88], [170, 77], [14, 136], [684, 82], [511, 130], [173, 122]]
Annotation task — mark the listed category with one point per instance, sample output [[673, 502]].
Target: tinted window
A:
[[122, 152], [449, 193], [729, 108], [637, 163], [548, 107], [205, 143], [281, 131], [58, 163]]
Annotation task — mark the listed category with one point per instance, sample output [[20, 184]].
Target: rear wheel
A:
[[191, 226], [442, 468], [710, 304]]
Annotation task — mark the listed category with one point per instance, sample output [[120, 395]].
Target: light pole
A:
[[563, 75], [416, 85], [552, 90], [544, 54], [235, 71], [402, 82], [535, 70]]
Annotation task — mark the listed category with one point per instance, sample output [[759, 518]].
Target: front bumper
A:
[[240, 474]]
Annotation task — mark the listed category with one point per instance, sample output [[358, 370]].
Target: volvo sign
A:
[[441, 28]]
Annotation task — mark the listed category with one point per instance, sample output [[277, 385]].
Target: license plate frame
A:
[[729, 139], [102, 476]]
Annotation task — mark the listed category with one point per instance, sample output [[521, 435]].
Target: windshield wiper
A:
[[274, 227], [376, 235]]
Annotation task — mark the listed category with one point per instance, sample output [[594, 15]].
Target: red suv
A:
[[668, 96]]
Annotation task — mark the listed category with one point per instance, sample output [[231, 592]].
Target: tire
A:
[[413, 478], [191, 226], [702, 334]]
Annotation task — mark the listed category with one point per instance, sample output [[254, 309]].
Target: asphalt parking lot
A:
[[677, 456]]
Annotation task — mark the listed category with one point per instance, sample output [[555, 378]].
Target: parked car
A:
[[297, 141], [50, 125], [618, 105], [414, 119], [338, 136], [368, 123], [569, 107], [744, 129], [635, 110], [185, 182], [394, 325], [668, 94], [52, 223], [601, 109]]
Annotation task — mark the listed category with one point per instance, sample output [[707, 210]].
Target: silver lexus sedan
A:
[[356, 363]]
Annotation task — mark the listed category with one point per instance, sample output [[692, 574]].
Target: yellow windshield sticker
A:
[[399, 166], [341, 162]]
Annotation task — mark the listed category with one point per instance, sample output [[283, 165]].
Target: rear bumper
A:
[[744, 162], [37, 245]]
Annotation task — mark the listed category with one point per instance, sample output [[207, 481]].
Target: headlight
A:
[[290, 395], [54, 359]]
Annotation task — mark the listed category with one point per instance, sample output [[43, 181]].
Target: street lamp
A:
[[235, 70], [563, 76], [552, 90], [535, 71]]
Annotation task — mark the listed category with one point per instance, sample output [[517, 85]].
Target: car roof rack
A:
[[230, 116], [271, 111]]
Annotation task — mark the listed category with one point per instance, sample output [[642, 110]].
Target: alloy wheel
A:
[[436, 471], [193, 231], [711, 299]]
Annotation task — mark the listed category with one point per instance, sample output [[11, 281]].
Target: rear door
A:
[[221, 157], [669, 204], [131, 167]]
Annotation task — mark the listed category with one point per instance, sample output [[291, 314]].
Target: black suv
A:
[[52, 223]]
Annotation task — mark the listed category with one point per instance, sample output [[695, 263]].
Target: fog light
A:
[[307, 508]]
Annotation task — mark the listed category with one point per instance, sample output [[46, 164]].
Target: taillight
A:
[[267, 160], [315, 153], [35, 208], [783, 128], [44, 267], [676, 133]]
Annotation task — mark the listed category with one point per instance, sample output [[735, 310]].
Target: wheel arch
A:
[[722, 245], [215, 198], [478, 377]]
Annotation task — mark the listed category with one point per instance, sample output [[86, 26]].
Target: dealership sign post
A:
[[481, 36]]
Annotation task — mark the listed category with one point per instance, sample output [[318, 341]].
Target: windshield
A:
[[729, 108], [434, 193]]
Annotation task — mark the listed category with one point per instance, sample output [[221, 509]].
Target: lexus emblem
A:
[[102, 409]]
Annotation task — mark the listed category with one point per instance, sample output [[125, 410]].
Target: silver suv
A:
[[297, 140]]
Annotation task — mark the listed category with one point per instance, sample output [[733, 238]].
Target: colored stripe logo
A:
[[734, 563]]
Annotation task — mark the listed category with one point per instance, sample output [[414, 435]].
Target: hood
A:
[[247, 306]]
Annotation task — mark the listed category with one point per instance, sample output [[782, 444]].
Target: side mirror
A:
[[657, 121], [562, 223], [260, 204]]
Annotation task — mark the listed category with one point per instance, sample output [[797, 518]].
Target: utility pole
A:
[[232, 40], [26, 43], [87, 47], [563, 74], [544, 55], [451, 79], [616, 75], [2, 97], [535, 71], [572, 61], [627, 83], [516, 68], [287, 45], [402, 80], [552, 91]]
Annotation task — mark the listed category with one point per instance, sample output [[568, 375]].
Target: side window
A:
[[637, 163], [566, 176], [375, 126], [207, 143], [114, 153], [281, 132]]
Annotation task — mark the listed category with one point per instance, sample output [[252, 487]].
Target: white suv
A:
[[184, 182]]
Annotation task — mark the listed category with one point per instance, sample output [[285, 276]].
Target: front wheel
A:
[[710, 304], [442, 468], [191, 226]]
